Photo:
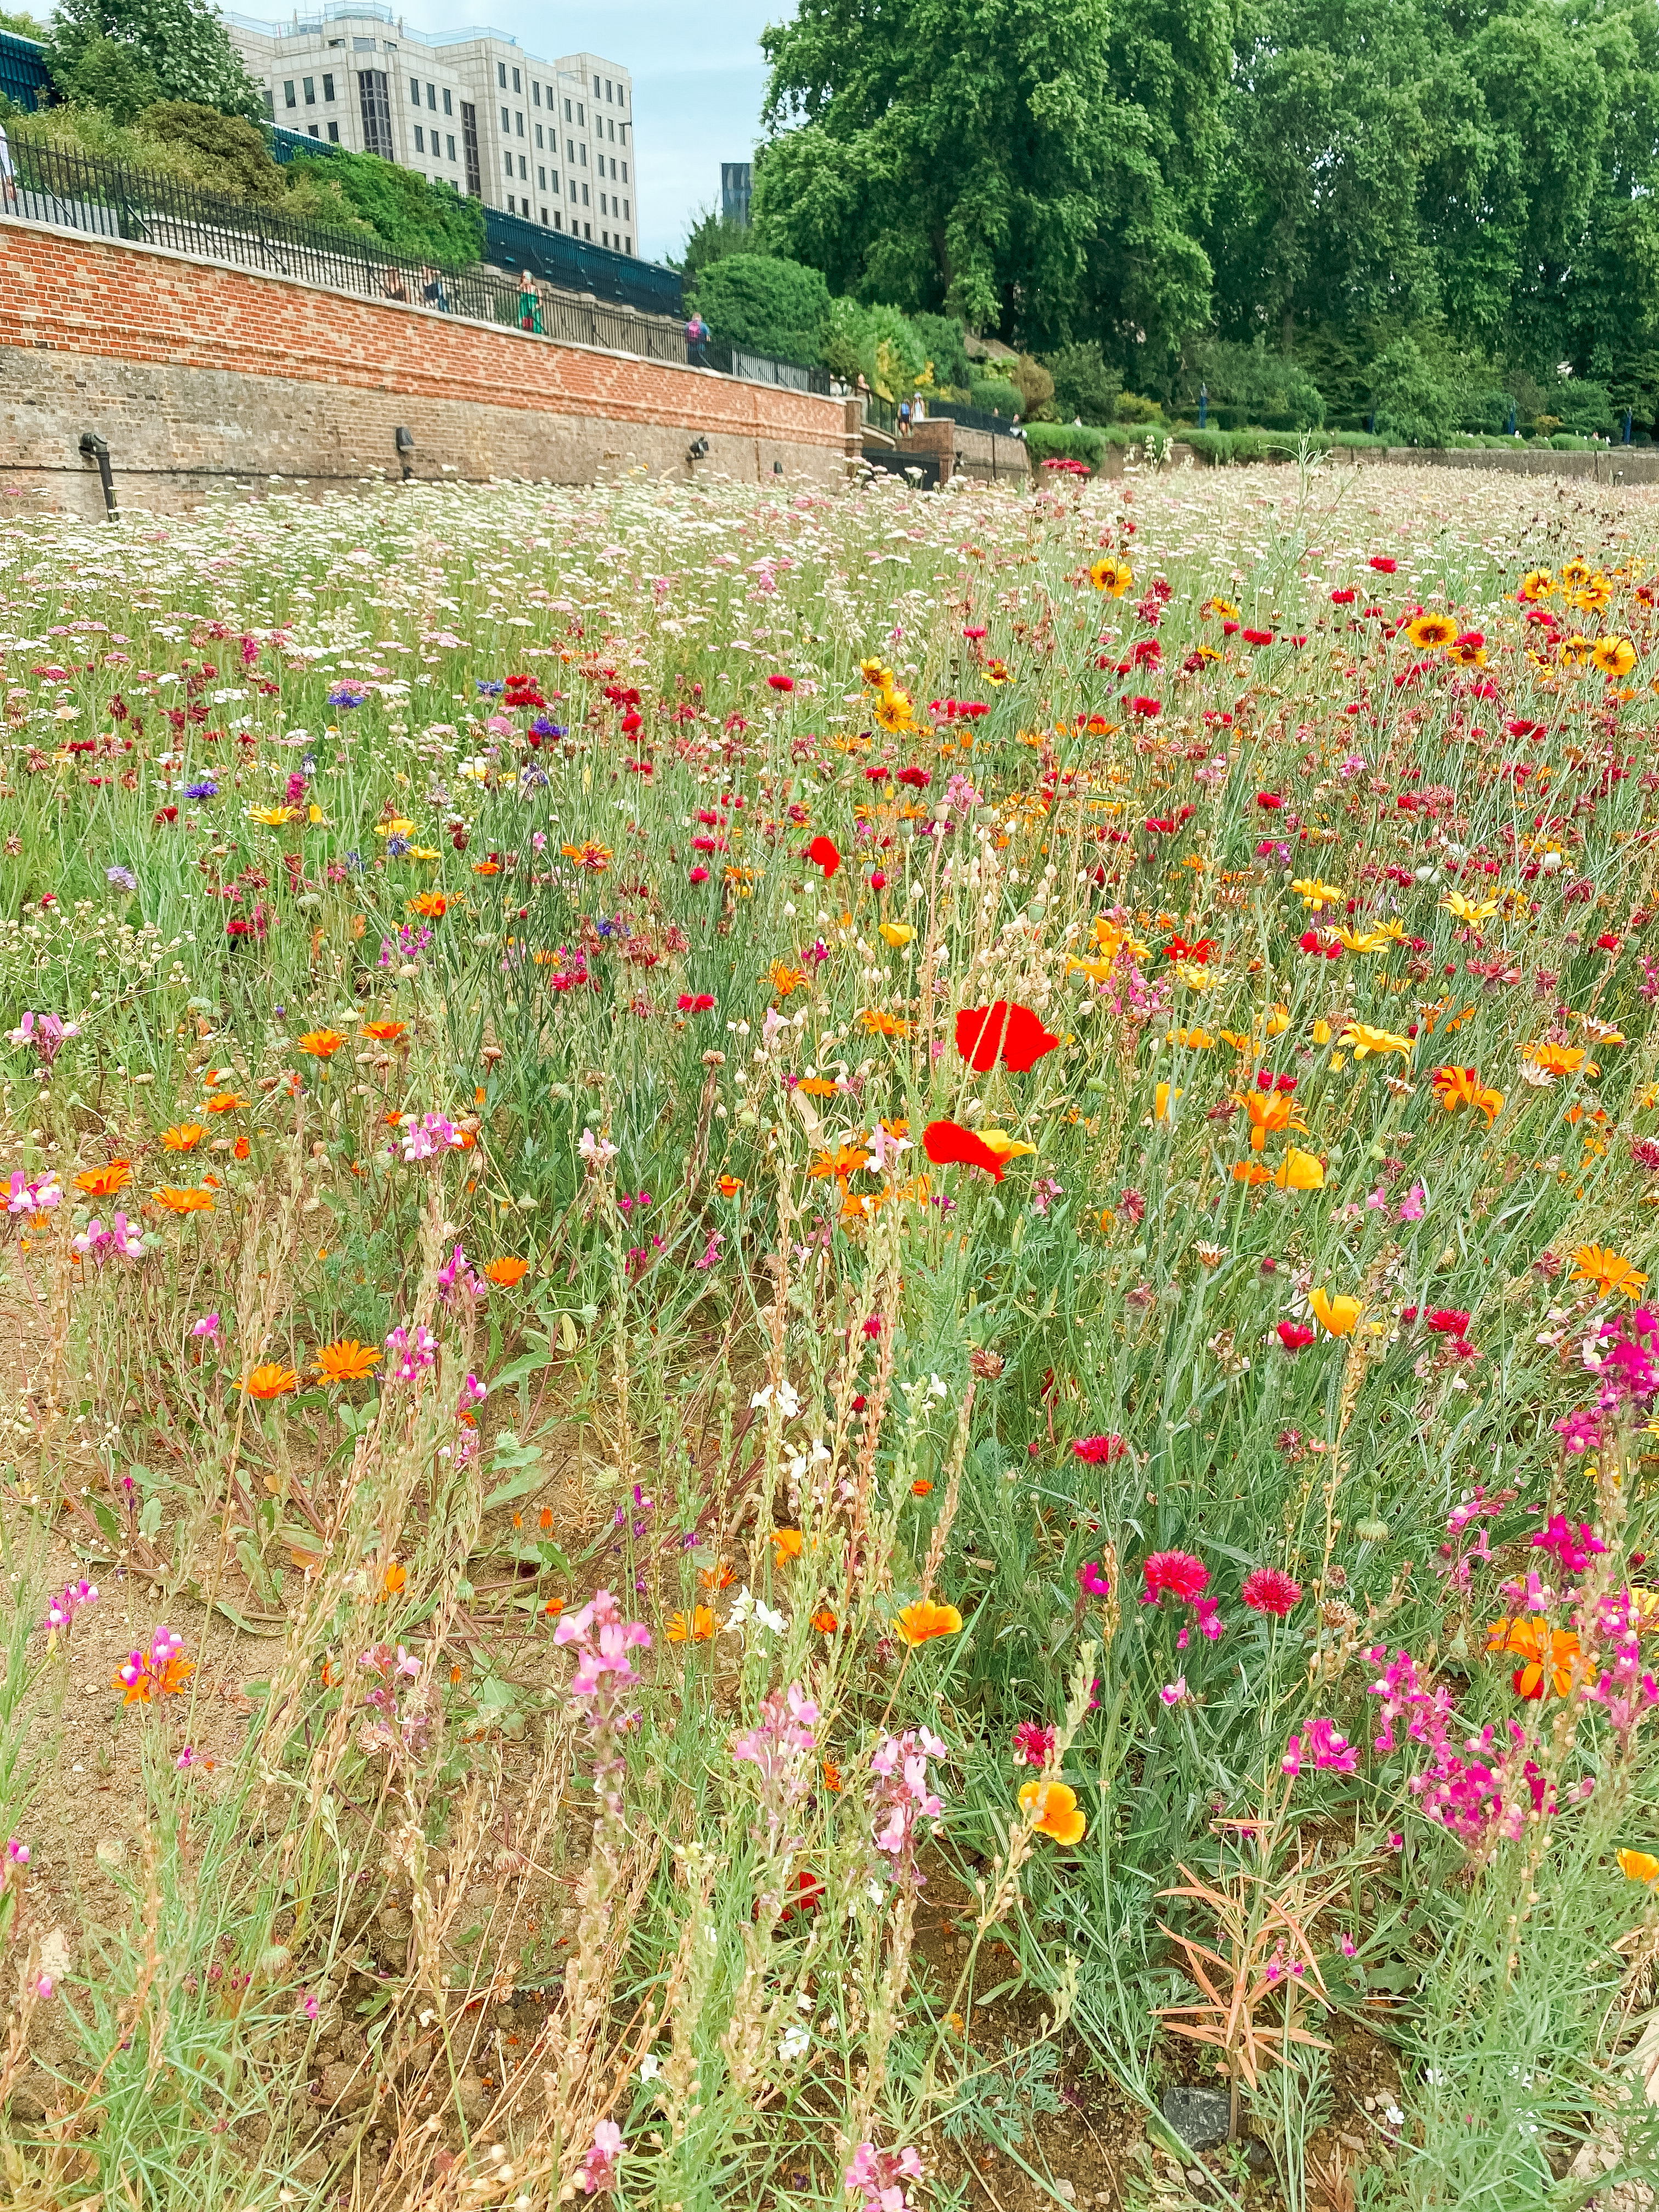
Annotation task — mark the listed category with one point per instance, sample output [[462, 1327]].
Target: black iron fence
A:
[[971, 418], [762, 368], [85, 192]]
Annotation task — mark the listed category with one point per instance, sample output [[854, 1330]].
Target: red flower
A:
[[1345, 597], [824, 853], [1148, 710], [699, 1004], [1099, 1451], [1295, 1336], [1269, 1589], [1384, 565], [1015, 1031], [947, 1144], [1270, 800], [1258, 637], [782, 683], [809, 1891], [1179, 1572], [917, 778], [1448, 1321]]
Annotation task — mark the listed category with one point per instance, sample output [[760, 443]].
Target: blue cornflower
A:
[[542, 728], [207, 788], [348, 692], [396, 848], [123, 878], [490, 687]]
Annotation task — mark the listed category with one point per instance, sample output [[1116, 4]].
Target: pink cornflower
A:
[[1099, 1451], [1179, 1572], [1270, 1590]]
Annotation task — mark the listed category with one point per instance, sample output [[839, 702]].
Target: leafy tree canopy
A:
[[766, 304], [124, 56]]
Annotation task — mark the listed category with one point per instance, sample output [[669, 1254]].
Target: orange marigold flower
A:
[[241, 1149], [270, 1380], [105, 1181], [697, 1630], [506, 1271], [345, 1361], [1560, 1058], [321, 1044], [1462, 1086], [226, 1103], [384, 1032], [183, 1136], [1057, 1811], [1608, 1270], [921, 1622], [174, 1200]]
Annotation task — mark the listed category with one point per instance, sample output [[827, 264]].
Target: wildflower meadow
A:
[[829, 1378]]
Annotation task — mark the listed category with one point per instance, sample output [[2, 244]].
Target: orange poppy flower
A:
[[729, 1186], [819, 1086], [1057, 1813], [431, 905], [921, 1622], [174, 1673], [384, 1032], [105, 1181], [241, 1149], [183, 1136], [824, 1621], [505, 1271], [321, 1044], [270, 1380], [226, 1103], [832, 1776], [486, 867], [174, 1201], [1269, 1110], [345, 1361], [697, 1630], [392, 1581], [786, 1545], [921, 1489]]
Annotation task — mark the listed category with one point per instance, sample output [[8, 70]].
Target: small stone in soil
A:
[[1199, 2116]]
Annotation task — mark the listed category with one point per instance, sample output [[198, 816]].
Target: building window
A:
[[580, 115], [556, 184], [420, 139], [581, 155], [596, 88], [501, 75], [624, 173], [627, 215], [585, 203], [621, 95], [290, 99], [333, 134], [470, 146], [628, 243], [328, 87], [414, 92], [432, 98], [567, 111], [624, 134], [558, 220], [448, 109], [452, 148], [312, 131], [572, 181], [604, 238], [524, 170], [517, 121], [308, 85], [543, 218], [538, 137], [362, 46], [541, 177], [607, 87], [588, 232], [507, 120], [507, 160], [613, 134], [517, 87], [271, 109], [375, 101]]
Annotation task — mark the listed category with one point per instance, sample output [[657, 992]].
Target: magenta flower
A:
[[881, 2175], [1093, 1577], [1180, 1573], [1099, 1451], [599, 2166], [1032, 1744], [1323, 1746]]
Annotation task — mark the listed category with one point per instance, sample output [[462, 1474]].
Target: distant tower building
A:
[[737, 186]]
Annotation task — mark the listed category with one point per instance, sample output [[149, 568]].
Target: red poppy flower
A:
[[1345, 597], [1099, 1451], [1015, 1031], [1295, 1336], [1258, 637], [698, 1002], [782, 683], [947, 1144], [1384, 565], [824, 853]]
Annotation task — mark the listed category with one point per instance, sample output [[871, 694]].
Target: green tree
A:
[[233, 155], [996, 160], [1085, 388], [423, 221], [127, 54], [712, 237], [765, 303]]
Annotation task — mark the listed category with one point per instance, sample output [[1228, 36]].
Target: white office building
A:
[[551, 141]]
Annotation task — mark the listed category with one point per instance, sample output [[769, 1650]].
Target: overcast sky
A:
[[698, 78]]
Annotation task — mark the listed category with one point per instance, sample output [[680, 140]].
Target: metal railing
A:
[[971, 418], [763, 369], [85, 192]]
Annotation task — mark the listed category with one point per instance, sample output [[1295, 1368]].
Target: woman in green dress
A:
[[530, 304]]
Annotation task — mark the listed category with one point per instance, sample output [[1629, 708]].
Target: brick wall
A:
[[202, 375]]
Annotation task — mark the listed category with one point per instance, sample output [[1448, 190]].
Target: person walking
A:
[[697, 339], [432, 290], [530, 305], [7, 174]]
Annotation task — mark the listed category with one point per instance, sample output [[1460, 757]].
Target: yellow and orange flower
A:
[[1639, 1866], [921, 1622], [729, 1186], [183, 1136], [1058, 1813], [346, 1360], [1269, 1110], [106, 1182], [384, 1032], [227, 1102], [1546, 1654], [270, 1380], [1337, 1313], [505, 1271], [430, 906], [321, 1044], [172, 1200], [1608, 1270], [786, 1545], [1457, 1087], [1111, 576], [1430, 633], [697, 1630]]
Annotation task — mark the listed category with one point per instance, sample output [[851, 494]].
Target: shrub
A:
[[1131, 408], [1254, 385], [1065, 441], [1415, 404], [765, 304], [947, 352], [231, 154], [1034, 386], [1085, 385], [124, 55], [994, 395], [426, 223]]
